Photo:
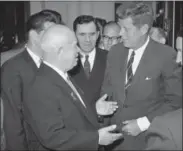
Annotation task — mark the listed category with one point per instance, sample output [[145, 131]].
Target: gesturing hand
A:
[[131, 127], [106, 137], [105, 107]]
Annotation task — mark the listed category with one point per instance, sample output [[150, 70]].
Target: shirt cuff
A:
[[143, 123]]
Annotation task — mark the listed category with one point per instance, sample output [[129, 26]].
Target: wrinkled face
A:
[[130, 34], [87, 35], [110, 37], [70, 52]]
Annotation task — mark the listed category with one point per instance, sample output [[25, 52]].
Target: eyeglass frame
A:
[[105, 37]]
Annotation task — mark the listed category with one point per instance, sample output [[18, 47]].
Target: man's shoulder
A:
[[162, 50], [14, 63]]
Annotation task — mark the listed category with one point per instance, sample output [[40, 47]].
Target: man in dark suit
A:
[[89, 72], [142, 75], [16, 75], [165, 132], [54, 108]]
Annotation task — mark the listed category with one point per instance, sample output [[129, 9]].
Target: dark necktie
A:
[[129, 71], [87, 66]]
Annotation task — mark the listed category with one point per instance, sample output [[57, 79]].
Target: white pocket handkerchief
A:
[[147, 78]]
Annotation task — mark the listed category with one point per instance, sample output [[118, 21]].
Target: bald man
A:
[[110, 35], [158, 35], [55, 109]]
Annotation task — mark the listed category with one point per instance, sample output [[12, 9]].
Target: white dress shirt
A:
[[91, 58], [142, 122], [65, 77], [36, 59]]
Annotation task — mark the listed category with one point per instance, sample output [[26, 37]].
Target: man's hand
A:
[[105, 107], [106, 136], [131, 127]]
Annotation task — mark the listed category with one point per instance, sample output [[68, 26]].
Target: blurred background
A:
[[13, 15]]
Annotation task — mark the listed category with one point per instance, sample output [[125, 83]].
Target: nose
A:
[[87, 38]]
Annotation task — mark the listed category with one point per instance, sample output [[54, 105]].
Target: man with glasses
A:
[[110, 35]]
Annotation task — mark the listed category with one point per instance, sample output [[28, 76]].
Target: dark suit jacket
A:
[[56, 115], [165, 132], [91, 87], [155, 88], [16, 75]]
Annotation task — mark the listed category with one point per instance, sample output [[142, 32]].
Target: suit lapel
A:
[[68, 90], [143, 64], [29, 60]]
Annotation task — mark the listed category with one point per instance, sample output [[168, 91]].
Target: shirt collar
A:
[[142, 48], [35, 58], [60, 72], [91, 54]]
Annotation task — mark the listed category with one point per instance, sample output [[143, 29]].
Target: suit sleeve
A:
[[45, 117], [171, 75], [158, 136], [11, 90]]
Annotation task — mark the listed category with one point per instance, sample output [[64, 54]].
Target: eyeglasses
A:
[[114, 38]]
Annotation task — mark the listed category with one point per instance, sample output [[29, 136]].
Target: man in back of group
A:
[[158, 35], [89, 72], [111, 35], [55, 109], [16, 75]]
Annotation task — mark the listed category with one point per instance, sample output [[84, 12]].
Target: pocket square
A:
[[147, 78]]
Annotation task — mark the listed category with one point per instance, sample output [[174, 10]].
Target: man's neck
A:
[[34, 49]]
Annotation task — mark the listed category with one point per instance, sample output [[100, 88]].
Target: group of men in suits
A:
[[55, 90]]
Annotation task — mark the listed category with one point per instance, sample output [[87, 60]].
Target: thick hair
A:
[[36, 21], [101, 21], [140, 12], [54, 14], [84, 19]]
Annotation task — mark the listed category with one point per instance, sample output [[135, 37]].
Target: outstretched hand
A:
[[104, 107]]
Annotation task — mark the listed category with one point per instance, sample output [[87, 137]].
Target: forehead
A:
[[112, 30], [86, 28], [126, 22]]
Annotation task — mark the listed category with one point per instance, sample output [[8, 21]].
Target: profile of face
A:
[[69, 52], [87, 36], [131, 35], [111, 36], [156, 36]]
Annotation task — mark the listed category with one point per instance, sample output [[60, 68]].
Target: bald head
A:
[[56, 36], [111, 34], [111, 27]]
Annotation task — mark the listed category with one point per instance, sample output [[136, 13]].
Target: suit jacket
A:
[[91, 87], [155, 88], [57, 117], [11, 53], [16, 75], [165, 132]]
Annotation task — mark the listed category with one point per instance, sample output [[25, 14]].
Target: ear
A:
[[144, 29]]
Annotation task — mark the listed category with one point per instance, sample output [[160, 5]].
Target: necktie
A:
[[129, 71], [87, 66], [75, 90]]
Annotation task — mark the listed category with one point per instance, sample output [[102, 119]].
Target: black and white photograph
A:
[[91, 75]]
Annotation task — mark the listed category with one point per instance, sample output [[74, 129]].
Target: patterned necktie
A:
[[129, 71], [87, 66]]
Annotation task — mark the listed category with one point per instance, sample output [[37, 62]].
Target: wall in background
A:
[[70, 10]]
